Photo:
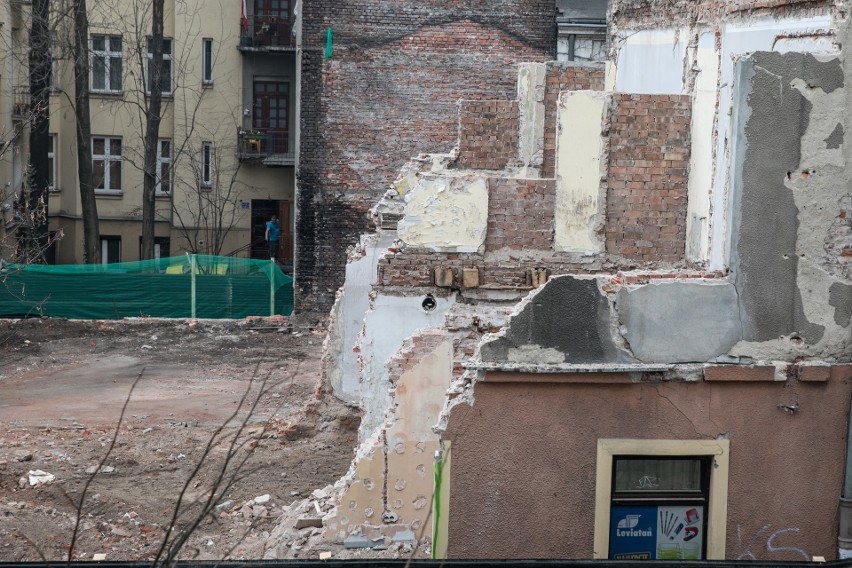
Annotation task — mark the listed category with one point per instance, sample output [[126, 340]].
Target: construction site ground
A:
[[207, 397]]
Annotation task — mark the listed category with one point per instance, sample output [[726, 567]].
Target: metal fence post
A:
[[194, 267], [272, 287]]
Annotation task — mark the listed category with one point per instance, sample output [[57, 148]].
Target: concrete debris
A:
[[104, 469], [405, 536], [261, 499], [38, 477], [97, 557], [305, 522], [361, 541], [225, 505], [23, 456]]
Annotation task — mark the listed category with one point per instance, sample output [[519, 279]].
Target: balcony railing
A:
[[21, 101], [270, 146], [267, 31]]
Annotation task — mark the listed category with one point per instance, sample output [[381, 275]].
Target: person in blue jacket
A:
[[273, 229]]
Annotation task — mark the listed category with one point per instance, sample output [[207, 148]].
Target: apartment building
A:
[[226, 149]]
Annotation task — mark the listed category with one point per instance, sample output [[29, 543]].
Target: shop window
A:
[[661, 499]]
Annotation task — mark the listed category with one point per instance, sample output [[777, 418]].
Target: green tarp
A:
[[179, 287]]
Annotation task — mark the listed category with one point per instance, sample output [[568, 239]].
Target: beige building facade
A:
[[226, 150]]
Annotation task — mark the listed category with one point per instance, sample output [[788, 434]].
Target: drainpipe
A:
[[844, 538]]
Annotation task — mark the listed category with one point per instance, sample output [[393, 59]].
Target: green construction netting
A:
[[178, 287]]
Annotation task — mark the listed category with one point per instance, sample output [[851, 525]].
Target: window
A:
[[110, 250], [206, 164], [161, 247], [106, 64], [51, 163], [166, 79], [661, 499], [106, 165], [207, 61], [164, 167]]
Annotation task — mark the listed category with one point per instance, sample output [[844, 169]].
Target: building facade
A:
[[612, 320], [226, 149]]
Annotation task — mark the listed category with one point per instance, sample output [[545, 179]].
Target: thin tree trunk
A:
[[91, 233], [38, 177], [152, 130]]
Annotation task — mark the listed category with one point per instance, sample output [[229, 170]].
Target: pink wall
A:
[[523, 461]]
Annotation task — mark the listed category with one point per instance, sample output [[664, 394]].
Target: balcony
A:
[[270, 147], [267, 33], [21, 101]]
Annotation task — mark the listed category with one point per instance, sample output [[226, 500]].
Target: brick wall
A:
[[488, 134], [648, 175], [520, 214], [564, 77], [390, 92]]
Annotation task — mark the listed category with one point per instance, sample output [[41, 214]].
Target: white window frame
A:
[[107, 158], [167, 65], [164, 161], [105, 240], [109, 57], [51, 161], [207, 61], [206, 173], [717, 509]]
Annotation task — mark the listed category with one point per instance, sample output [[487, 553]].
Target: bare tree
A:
[[211, 210], [38, 174], [88, 204], [152, 129]]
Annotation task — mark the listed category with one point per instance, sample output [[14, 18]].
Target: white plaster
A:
[[355, 302], [610, 71], [701, 157], [579, 169], [446, 214], [531, 87], [386, 325], [738, 39], [652, 62]]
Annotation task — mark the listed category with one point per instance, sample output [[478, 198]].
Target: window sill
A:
[[107, 94], [161, 195], [206, 84], [114, 193]]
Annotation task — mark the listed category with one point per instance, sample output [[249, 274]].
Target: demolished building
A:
[[615, 321]]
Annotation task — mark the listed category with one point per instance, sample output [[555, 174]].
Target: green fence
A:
[[199, 286]]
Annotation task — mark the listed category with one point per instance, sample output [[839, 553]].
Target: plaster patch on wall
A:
[[341, 361], [569, 315], [680, 322], [739, 38], [581, 165], [651, 62], [702, 148], [446, 214], [840, 298], [779, 261], [386, 325], [531, 91]]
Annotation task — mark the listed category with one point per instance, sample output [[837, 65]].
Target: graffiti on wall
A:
[[777, 542]]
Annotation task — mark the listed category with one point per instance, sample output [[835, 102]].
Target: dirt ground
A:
[[216, 415]]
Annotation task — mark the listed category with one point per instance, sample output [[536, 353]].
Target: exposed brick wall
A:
[[390, 92], [520, 214], [648, 175], [412, 267], [488, 134], [564, 77]]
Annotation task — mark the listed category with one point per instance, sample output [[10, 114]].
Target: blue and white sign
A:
[[661, 532], [633, 533]]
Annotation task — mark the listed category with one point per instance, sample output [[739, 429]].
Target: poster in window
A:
[[662, 532], [633, 533]]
